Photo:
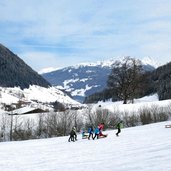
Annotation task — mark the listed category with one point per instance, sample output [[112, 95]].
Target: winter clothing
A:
[[84, 135], [73, 135], [101, 126], [96, 131], [119, 126], [90, 131]]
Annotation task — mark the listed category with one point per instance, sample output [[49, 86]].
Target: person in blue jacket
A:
[[84, 134], [90, 131], [96, 131]]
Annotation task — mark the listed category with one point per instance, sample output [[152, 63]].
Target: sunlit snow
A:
[[141, 148], [41, 94]]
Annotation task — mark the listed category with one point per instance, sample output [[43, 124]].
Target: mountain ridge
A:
[[15, 72], [84, 79], [107, 63]]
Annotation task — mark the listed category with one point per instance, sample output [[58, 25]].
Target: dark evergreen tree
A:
[[161, 78], [15, 72]]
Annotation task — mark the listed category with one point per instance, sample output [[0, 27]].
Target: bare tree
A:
[[5, 127], [51, 125], [124, 79], [97, 116], [89, 116], [68, 119], [23, 128]]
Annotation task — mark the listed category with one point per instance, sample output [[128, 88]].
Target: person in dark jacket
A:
[[119, 126], [90, 131], [73, 135]]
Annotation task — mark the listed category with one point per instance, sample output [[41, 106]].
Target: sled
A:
[[85, 137], [167, 126], [103, 136]]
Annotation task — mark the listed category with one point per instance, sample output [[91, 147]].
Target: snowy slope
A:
[[34, 92], [35, 96], [146, 102], [142, 148]]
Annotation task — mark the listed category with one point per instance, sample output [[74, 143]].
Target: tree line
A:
[[54, 124]]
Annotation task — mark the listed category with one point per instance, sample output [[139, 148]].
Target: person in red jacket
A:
[[101, 126]]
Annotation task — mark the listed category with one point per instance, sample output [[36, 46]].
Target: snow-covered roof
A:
[[26, 110]]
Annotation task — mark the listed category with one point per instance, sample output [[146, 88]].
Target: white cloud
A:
[[39, 60], [46, 70], [60, 33]]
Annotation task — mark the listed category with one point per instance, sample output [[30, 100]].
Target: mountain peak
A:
[[108, 63], [150, 61]]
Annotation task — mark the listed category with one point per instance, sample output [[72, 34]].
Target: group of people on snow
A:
[[93, 133]]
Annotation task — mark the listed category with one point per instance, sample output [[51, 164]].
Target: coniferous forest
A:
[[15, 72]]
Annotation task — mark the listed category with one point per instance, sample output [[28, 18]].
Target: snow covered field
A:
[[142, 148], [9, 95]]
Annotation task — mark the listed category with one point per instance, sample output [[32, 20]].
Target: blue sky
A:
[[60, 33]]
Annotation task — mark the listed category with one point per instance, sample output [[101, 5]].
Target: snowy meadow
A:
[[141, 148]]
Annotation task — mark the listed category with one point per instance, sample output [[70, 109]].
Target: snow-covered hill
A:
[[147, 102], [87, 78], [141, 148], [35, 96]]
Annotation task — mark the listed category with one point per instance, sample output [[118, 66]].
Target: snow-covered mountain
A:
[[81, 80], [35, 96], [87, 78]]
